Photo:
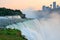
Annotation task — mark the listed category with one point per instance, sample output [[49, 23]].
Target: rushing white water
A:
[[40, 29]]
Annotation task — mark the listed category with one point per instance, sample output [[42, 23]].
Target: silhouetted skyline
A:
[[23, 4], [52, 6]]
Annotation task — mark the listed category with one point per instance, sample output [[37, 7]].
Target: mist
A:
[[45, 28], [31, 13], [51, 27]]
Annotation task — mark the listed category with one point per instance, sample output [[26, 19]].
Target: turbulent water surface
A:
[[40, 29]]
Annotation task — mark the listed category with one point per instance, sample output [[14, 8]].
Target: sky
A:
[[23, 4]]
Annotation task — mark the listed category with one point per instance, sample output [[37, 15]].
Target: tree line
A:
[[11, 12]]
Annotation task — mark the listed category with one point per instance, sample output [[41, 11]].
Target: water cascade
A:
[[40, 29]]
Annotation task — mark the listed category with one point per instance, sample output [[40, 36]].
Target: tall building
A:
[[50, 5], [44, 7], [58, 6], [54, 5]]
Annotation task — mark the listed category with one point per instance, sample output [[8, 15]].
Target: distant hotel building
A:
[[52, 7]]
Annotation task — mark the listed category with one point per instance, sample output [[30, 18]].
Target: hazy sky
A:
[[22, 4]]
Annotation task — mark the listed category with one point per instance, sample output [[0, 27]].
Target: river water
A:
[[40, 29]]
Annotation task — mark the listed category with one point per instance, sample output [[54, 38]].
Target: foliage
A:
[[11, 34], [9, 12]]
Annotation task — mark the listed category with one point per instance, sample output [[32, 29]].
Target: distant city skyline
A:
[[23, 4]]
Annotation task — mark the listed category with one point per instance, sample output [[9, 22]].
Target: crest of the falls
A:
[[39, 29], [31, 29]]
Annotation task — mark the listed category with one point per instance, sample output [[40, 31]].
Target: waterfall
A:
[[31, 29], [40, 29]]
